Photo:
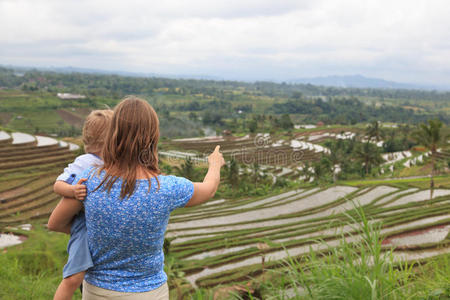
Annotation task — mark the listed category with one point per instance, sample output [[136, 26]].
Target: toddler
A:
[[79, 260]]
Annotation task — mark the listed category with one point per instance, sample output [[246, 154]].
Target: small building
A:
[[226, 132], [68, 96]]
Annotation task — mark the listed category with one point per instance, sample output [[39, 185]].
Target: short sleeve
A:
[[84, 174], [66, 175], [72, 170], [182, 191]]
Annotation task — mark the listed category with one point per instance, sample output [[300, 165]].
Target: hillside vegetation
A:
[[28, 102]]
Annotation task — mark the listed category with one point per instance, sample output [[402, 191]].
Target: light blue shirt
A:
[[78, 166], [126, 236], [79, 256]]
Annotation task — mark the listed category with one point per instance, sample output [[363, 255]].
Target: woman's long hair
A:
[[131, 141]]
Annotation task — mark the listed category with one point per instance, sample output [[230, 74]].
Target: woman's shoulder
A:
[[172, 180], [173, 183], [178, 189]]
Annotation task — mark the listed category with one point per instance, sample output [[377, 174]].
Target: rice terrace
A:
[[314, 200]]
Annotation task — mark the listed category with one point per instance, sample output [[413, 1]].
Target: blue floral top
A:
[[126, 236]]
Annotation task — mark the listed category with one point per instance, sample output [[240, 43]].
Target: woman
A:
[[128, 205]]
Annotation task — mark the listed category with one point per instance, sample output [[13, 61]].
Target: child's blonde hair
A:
[[95, 128]]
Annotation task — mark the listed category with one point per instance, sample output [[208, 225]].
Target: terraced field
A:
[[286, 156], [28, 168], [220, 242], [261, 148], [223, 241]]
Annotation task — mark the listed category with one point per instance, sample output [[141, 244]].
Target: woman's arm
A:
[[61, 218], [205, 190]]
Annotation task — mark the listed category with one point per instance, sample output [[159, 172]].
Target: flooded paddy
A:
[[9, 239], [433, 234], [419, 196], [45, 141], [4, 136], [319, 199], [22, 138], [298, 232]]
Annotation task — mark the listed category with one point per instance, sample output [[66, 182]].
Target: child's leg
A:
[[68, 286]]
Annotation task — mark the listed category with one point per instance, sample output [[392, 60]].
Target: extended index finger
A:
[[217, 148]]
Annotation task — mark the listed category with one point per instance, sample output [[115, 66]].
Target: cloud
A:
[[257, 39]]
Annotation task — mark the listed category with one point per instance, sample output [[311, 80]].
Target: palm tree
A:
[[374, 131], [233, 173], [322, 168], [256, 173], [336, 156], [187, 169], [369, 155], [307, 172], [430, 136]]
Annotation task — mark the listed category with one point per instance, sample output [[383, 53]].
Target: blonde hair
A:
[[94, 130], [131, 142]]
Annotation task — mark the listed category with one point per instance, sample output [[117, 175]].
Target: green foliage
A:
[[430, 135], [368, 155], [232, 172], [221, 104], [342, 111], [323, 169], [188, 170], [433, 281], [252, 126], [213, 118], [286, 122], [373, 131], [247, 180], [355, 159], [173, 127], [119, 86]]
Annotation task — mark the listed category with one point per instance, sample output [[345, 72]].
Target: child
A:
[[79, 260]]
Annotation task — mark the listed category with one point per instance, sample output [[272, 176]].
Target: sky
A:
[[399, 40]]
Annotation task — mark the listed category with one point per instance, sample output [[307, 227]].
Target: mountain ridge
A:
[[360, 81], [340, 81]]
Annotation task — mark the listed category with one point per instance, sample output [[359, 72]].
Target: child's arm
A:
[[76, 191], [61, 218]]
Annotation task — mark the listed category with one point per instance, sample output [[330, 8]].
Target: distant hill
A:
[[340, 81], [70, 69], [359, 81]]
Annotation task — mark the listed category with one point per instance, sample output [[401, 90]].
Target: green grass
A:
[[33, 270], [12, 100], [38, 121]]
